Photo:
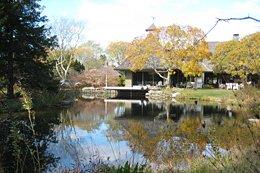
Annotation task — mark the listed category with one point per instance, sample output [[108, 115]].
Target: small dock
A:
[[133, 88], [129, 92]]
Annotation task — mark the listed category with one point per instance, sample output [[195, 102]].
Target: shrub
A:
[[126, 168], [208, 86], [121, 80], [249, 101]]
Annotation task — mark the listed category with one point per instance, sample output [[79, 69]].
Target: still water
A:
[[138, 131]]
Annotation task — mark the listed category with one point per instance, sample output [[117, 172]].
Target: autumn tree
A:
[[91, 55], [68, 33], [238, 57], [177, 47], [117, 52]]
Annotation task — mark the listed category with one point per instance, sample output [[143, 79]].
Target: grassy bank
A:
[[39, 100], [214, 95]]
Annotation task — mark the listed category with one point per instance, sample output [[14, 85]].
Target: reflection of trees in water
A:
[[144, 136], [70, 147], [93, 108], [162, 142], [234, 133], [178, 144], [18, 145], [172, 144], [88, 115], [169, 111]]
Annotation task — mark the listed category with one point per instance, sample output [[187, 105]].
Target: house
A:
[[148, 77]]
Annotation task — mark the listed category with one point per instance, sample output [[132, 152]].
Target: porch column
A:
[[153, 79], [203, 77], [142, 78], [128, 79]]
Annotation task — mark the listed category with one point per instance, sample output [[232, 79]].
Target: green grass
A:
[[206, 94]]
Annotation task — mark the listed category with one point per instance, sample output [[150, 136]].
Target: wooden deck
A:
[[134, 88], [122, 101], [129, 92]]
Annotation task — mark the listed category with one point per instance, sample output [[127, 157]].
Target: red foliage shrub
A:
[[97, 77]]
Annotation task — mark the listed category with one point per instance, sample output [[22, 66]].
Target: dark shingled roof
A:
[[152, 62], [206, 65]]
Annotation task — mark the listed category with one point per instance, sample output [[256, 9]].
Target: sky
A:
[[123, 20]]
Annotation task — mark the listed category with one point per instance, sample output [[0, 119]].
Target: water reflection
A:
[[142, 109], [116, 131]]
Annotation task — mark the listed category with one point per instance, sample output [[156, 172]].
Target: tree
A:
[[77, 66], [24, 40], [238, 57], [68, 33], [89, 50], [91, 55], [117, 52], [97, 77], [177, 47]]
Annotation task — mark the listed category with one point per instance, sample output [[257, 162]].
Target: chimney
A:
[[236, 37]]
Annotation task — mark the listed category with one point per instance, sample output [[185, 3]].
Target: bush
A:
[[249, 101], [126, 168], [121, 80], [47, 99], [208, 86], [10, 105]]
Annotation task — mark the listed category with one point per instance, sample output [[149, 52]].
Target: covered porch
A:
[[151, 78]]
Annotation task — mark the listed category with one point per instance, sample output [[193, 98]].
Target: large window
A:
[[137, 78], [148, 78]]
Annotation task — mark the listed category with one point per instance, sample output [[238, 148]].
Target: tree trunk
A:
[[10, 77], [169, 78]]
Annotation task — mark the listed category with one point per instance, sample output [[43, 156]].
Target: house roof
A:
[[154, 61], [151, 28]]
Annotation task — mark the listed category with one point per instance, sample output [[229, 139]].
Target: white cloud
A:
[[124, 20]]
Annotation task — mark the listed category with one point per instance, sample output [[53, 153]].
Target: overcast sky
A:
[[113, 20]]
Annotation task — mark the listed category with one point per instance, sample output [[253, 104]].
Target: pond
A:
[[138, 131]]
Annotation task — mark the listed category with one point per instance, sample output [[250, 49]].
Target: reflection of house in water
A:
[[142, 109], [139, 109]]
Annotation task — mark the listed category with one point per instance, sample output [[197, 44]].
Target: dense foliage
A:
[[24, 40], [177, 47], [117, 52], [238, 57]]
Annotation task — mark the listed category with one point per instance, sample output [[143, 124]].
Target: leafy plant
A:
[[121, 80], [128, 168]]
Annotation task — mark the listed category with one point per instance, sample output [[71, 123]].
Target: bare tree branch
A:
[[2, 92], [68, 33], [239, 18], [227, 20], [157, 72]]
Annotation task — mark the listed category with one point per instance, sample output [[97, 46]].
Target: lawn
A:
[[207, 94]]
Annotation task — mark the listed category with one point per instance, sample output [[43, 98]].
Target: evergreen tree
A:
[[24, 41], [77, 66]]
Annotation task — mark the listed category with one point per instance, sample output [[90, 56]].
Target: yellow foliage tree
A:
[[116, 51], [177, 47], [238, 58]]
